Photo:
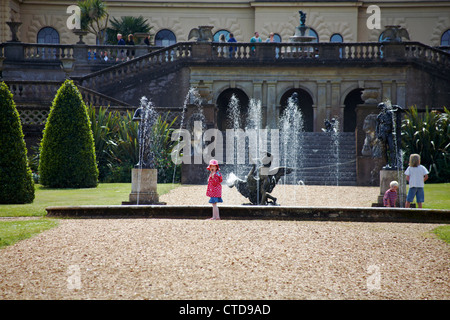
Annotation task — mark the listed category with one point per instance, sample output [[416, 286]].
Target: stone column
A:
[[322, 107], [272, 114]]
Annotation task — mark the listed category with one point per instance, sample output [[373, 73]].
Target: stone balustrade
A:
[[36, 93]]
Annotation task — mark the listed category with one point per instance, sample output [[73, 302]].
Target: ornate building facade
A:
[[426, 21], [342, 73]]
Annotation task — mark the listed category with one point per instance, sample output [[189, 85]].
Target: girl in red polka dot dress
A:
[[214, 189]]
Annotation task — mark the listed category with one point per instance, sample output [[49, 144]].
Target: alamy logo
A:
[[74, 277], [374, 21], [241, 146], [74, 21], [374, 278]]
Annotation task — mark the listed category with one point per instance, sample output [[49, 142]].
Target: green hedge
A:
[[16, 182], [67, 153]]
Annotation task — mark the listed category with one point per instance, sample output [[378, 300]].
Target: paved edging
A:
[[363, 214]]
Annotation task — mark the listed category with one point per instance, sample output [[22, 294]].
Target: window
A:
[[445, 39], [313, 33], [336, 38], [276, 37], [382, 37], [165, 38], [48, 35], [218, 33]]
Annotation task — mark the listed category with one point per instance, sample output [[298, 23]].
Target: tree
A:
[[16, 181], [94, 18], [67, 153], [125, 26]]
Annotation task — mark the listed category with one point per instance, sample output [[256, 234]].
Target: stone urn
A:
[[370, 95], [14, 27]]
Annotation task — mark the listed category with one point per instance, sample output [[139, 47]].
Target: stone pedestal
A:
[[143, 187], [367, 166], [386, 176]]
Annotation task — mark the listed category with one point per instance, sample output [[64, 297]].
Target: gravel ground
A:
[[227, 259], [287, 195]]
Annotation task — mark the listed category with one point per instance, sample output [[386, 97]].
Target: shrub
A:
[[104, 125], [162, 146], [67, 154], [16, 182], [117, 147], [428, 134]]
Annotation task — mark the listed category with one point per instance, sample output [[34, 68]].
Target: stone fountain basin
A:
[[249, 212]]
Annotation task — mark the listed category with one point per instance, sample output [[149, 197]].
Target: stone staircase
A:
[[324, 159], [328, 160]]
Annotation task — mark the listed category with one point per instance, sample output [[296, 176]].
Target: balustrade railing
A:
[[34, 51], [148, 56], [34, 98], [144, 63], [417, 51]]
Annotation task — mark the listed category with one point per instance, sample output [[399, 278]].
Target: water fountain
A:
[[292, 138], [256, 186], [144, 176], [301, 34], [263, 177]]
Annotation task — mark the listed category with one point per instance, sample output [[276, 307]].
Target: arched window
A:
[[313, 33], [336, 38], [445, 39], [165, 38], [351, 102], [223, 101], [305, 105], [382, 37], [48, 35], [277, 37], [218, 33]]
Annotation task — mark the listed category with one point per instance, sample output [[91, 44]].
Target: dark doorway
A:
[[223, 101], [350, 102], [305, 104]]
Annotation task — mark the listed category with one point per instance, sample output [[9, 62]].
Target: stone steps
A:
[[321, 162]]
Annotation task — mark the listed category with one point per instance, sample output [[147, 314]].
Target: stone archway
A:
[[351, 101], [223, 101], [305, 104]]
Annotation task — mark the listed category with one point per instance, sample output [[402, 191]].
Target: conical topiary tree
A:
[[67, 158], [16, 181]]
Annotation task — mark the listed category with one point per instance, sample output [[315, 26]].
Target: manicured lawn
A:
[[443, 232], [437, 196], [13, 231], [104, 194]]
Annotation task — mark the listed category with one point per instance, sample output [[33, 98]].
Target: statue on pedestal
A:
[[388, 131]]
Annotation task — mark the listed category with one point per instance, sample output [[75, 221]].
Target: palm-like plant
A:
[[125, 26], [428, 134], [104, 125], [94, 18]]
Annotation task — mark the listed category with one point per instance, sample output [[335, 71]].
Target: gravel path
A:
[[227, 259]]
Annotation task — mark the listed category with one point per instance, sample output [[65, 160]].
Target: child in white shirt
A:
[[416, 175]]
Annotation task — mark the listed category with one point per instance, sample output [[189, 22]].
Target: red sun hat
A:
[[213, 162]]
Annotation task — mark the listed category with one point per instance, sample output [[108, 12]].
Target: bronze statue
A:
[[260, 181], [388, 131]]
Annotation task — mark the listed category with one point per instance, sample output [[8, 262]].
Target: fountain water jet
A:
[[144, 176]]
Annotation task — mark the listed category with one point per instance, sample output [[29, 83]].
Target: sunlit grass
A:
[[104, 194], [437, 196], [13, 231]]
